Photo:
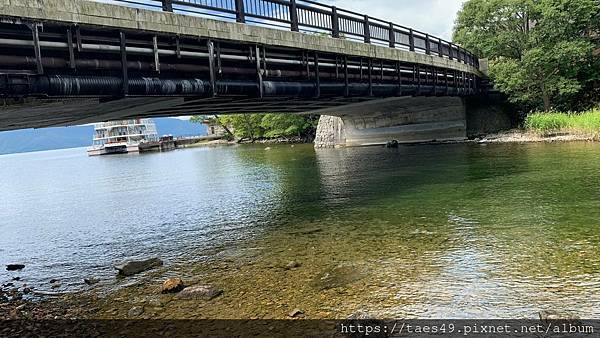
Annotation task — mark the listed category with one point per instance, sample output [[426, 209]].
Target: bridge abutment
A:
[[404, 119]]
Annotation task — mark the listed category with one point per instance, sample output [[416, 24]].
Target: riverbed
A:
[[426, 231]]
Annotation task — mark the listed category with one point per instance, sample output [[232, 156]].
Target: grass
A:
[[587, 122]]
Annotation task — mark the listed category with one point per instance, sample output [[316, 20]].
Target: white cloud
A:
[[435, 17]]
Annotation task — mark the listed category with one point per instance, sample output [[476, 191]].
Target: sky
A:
[[435, 17]]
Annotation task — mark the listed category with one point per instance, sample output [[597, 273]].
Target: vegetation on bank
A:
[[544, 54], [587, 122], [252, 127]]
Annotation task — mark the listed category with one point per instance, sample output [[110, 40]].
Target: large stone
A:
[[295, 313], [135, 311], [199, 292], [292, 265], [550, 315], [90, 281], [15, 267], [338, 276], [134, 267], [172, 285]]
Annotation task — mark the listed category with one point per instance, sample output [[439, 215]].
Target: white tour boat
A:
[[123, 136]]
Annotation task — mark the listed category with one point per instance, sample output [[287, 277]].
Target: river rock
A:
[[172, 285], [338, 276], [392, 144], [203, 292], [135, 311], [15, 267], [549, 315], [135, 267], [292, 265], [295, 313], [90, 281]]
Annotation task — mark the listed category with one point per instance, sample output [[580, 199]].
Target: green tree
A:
[[211, 119], [541, 52], [288, 125], [245, 126], [255, 126]]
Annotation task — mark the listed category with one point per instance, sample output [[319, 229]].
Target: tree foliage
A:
[[541, 52], [256, 126]]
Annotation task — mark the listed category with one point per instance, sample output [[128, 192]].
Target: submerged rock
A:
[[338, 276], [547, 315], [360, 315], [135, 267], [135, 311], [53, 280], [292, 265], [295, 313], [15, 267], [90, 281], [392, 144], [172, 285], [203, 292]]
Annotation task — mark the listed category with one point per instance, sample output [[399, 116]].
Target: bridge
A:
[[66, 62]]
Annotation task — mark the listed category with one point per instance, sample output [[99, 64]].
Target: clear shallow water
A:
[[420, 231]]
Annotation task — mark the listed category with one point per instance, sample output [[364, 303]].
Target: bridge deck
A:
[[64, 65]]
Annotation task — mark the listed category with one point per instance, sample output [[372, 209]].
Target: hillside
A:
[[19, 141]]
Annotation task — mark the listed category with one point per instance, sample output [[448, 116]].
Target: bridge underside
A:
[[55, 72], [403, 119]]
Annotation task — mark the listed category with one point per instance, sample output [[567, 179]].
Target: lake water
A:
[[428, 231]]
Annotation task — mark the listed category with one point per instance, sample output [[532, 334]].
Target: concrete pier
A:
[[404, 119]]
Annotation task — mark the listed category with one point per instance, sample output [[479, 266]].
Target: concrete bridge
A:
[[66, 62]]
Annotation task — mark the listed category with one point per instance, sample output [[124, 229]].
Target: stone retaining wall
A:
[[330, 132]]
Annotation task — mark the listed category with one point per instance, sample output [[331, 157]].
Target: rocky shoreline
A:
[[280, 140], [523, 136], [508, 136], [19, 301]]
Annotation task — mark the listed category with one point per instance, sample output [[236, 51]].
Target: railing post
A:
[[240, 12], [294, 16], [392, 36], [335, 23], [367, 31], [450, 51], [411, 40], [440, 49], [167, 5], [124, 75], [427, 45]]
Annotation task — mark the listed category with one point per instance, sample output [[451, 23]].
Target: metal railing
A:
[[298, 15]]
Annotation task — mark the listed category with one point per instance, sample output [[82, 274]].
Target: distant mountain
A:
[[20, 141]]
